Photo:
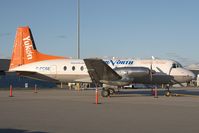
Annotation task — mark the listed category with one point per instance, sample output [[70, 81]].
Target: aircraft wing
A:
[[100, 72]]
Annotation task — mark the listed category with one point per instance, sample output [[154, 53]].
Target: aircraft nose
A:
[[192, 75]]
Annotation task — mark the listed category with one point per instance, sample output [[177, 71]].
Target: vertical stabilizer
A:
[[25, 51]]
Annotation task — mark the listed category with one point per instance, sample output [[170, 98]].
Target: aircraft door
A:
[[53, 71]]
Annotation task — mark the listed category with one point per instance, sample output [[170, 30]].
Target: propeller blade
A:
[[170, 71], [178, 83], [151, 69]]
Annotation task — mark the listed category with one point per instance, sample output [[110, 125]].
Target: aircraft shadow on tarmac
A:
[[160, 93], [10, 130]]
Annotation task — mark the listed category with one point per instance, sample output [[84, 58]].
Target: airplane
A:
[[155, 72], [29, 62]]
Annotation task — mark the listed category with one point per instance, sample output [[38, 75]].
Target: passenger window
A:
[[65, 68], [73, 68], [81, 68]]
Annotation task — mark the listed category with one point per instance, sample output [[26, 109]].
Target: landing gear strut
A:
[[168, 92]]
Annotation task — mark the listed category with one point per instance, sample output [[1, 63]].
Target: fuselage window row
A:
[[73, 68]]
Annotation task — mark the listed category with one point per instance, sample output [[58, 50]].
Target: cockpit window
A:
[[176, 65], [179, 65]]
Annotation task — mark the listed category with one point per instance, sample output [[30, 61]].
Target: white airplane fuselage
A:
[[74, 70]]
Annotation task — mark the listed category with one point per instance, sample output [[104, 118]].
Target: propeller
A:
[[151, 74], [170, 70], [151, 68]]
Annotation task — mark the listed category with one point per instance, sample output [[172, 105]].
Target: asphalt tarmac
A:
[[131, 111]]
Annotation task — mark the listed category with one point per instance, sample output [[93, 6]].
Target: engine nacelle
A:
[[133, 72]]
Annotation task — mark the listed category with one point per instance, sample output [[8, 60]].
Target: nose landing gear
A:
[[168, 92]]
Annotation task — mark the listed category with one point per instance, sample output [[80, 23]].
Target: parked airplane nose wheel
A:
[[105, 93], [168, 93]]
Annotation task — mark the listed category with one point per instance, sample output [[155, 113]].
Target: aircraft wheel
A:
[[111, 91], [105, 93], [168, 93]]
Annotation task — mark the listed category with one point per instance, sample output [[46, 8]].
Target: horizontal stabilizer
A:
[[35, 75]]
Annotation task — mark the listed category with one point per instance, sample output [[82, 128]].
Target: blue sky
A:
[[120, 28]]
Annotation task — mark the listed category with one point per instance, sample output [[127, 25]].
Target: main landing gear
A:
[[106, 92]]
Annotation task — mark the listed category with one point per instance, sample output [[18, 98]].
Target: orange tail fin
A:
[[25, 50]]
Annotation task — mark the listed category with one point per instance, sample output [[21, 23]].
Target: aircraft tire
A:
[[111, 91], [105, 93], [168, 93]]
